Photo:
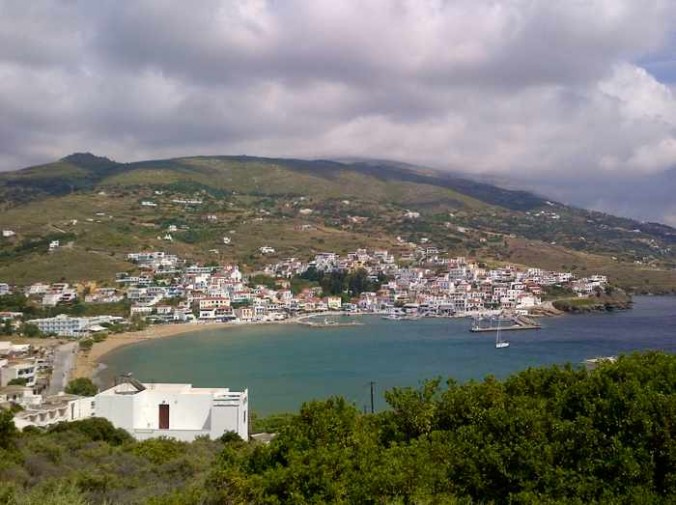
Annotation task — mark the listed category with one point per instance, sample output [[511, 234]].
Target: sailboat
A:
[[500, 344]]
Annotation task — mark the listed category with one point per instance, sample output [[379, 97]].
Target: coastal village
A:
[[165, 291]]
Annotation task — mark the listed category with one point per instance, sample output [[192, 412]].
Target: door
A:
[[164, 417]]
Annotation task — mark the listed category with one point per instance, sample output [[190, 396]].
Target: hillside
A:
[[95, 208]]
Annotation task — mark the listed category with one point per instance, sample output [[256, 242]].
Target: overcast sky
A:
[[559, 96]]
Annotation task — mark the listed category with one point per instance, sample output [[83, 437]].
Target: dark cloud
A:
[[534, 90]]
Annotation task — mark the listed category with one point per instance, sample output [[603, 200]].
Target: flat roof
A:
[[128, 388]]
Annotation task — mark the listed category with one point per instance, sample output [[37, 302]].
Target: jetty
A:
[[329, 323], [517, 323]]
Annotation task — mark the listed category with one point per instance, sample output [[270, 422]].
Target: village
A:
[[165, 290]]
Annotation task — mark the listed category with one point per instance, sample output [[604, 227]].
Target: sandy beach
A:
[[87, 362]]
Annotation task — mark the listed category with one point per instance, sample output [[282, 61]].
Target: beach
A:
[[87, 362]]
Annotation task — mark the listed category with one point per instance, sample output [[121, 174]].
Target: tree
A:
[[7, 429], [7, 328], [82, 386], [30, 330]]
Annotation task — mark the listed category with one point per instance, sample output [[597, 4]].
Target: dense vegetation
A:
[[545, 435], [343, 283]]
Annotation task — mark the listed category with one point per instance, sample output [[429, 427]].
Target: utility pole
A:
[[372, 384]]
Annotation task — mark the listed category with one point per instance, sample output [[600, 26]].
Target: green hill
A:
[[300, 207]]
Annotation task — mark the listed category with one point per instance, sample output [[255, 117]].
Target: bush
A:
[[82, 386], [8, 430], [160, 450], [230, 437], [96, 429], [19, 381]]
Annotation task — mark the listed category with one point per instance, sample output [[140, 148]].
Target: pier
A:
[[328, 323], [518, 323]]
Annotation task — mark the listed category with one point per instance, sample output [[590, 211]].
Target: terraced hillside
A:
[[99, 210]]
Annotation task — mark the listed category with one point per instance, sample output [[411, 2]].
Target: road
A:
[[64, 361]]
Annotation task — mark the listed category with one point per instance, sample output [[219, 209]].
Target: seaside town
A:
[[166, 291]]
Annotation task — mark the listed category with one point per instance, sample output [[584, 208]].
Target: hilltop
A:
[[99, 210]]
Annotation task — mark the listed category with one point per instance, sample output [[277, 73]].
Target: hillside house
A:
[[180, 411]]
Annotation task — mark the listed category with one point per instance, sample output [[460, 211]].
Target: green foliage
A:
[[19, 381], [49, 493], [550, 435], [270, 424], [7, 429], [160, 450], [95, 429], [230, 437], [30, 330], [82, 386], [339, 282], [7, 328], [554, 292], [86, 344]]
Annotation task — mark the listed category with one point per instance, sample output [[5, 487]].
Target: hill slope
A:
[[299, 206]]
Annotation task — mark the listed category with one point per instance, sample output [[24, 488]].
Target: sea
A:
[[284, 365]]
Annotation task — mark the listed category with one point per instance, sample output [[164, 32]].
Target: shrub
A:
[[95, 429], [82, 386]]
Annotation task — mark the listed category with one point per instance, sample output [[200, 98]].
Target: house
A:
[[66, 326], [180, 411], [334, 303], [244, 314], [23, 396], [18, 369], [214, 303], [55, 409]]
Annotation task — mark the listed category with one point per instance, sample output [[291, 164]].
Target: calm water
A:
[[285, 365]]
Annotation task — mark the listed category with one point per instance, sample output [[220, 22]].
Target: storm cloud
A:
[[556, 95]]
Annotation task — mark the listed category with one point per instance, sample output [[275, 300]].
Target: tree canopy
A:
[[554, 435]]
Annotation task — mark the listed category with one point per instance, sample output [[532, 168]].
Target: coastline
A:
[[87, 363]]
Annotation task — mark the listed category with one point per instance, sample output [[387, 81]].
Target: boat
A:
[[499, 343]]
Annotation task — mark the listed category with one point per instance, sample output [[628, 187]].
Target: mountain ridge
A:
[[262, 198]]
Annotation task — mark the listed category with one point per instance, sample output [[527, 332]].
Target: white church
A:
[[180, 411]]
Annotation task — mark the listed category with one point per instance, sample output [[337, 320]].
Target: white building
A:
[[18, 369], [66, 326], [179, 411], [55, 409]]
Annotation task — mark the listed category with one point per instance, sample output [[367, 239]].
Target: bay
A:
[[285, 365]]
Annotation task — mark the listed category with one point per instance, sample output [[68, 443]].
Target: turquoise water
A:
[[285, 365]]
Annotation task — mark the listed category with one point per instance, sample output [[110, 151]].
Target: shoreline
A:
[[87, 364]]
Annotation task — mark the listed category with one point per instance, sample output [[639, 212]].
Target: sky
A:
[[573, 99]]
